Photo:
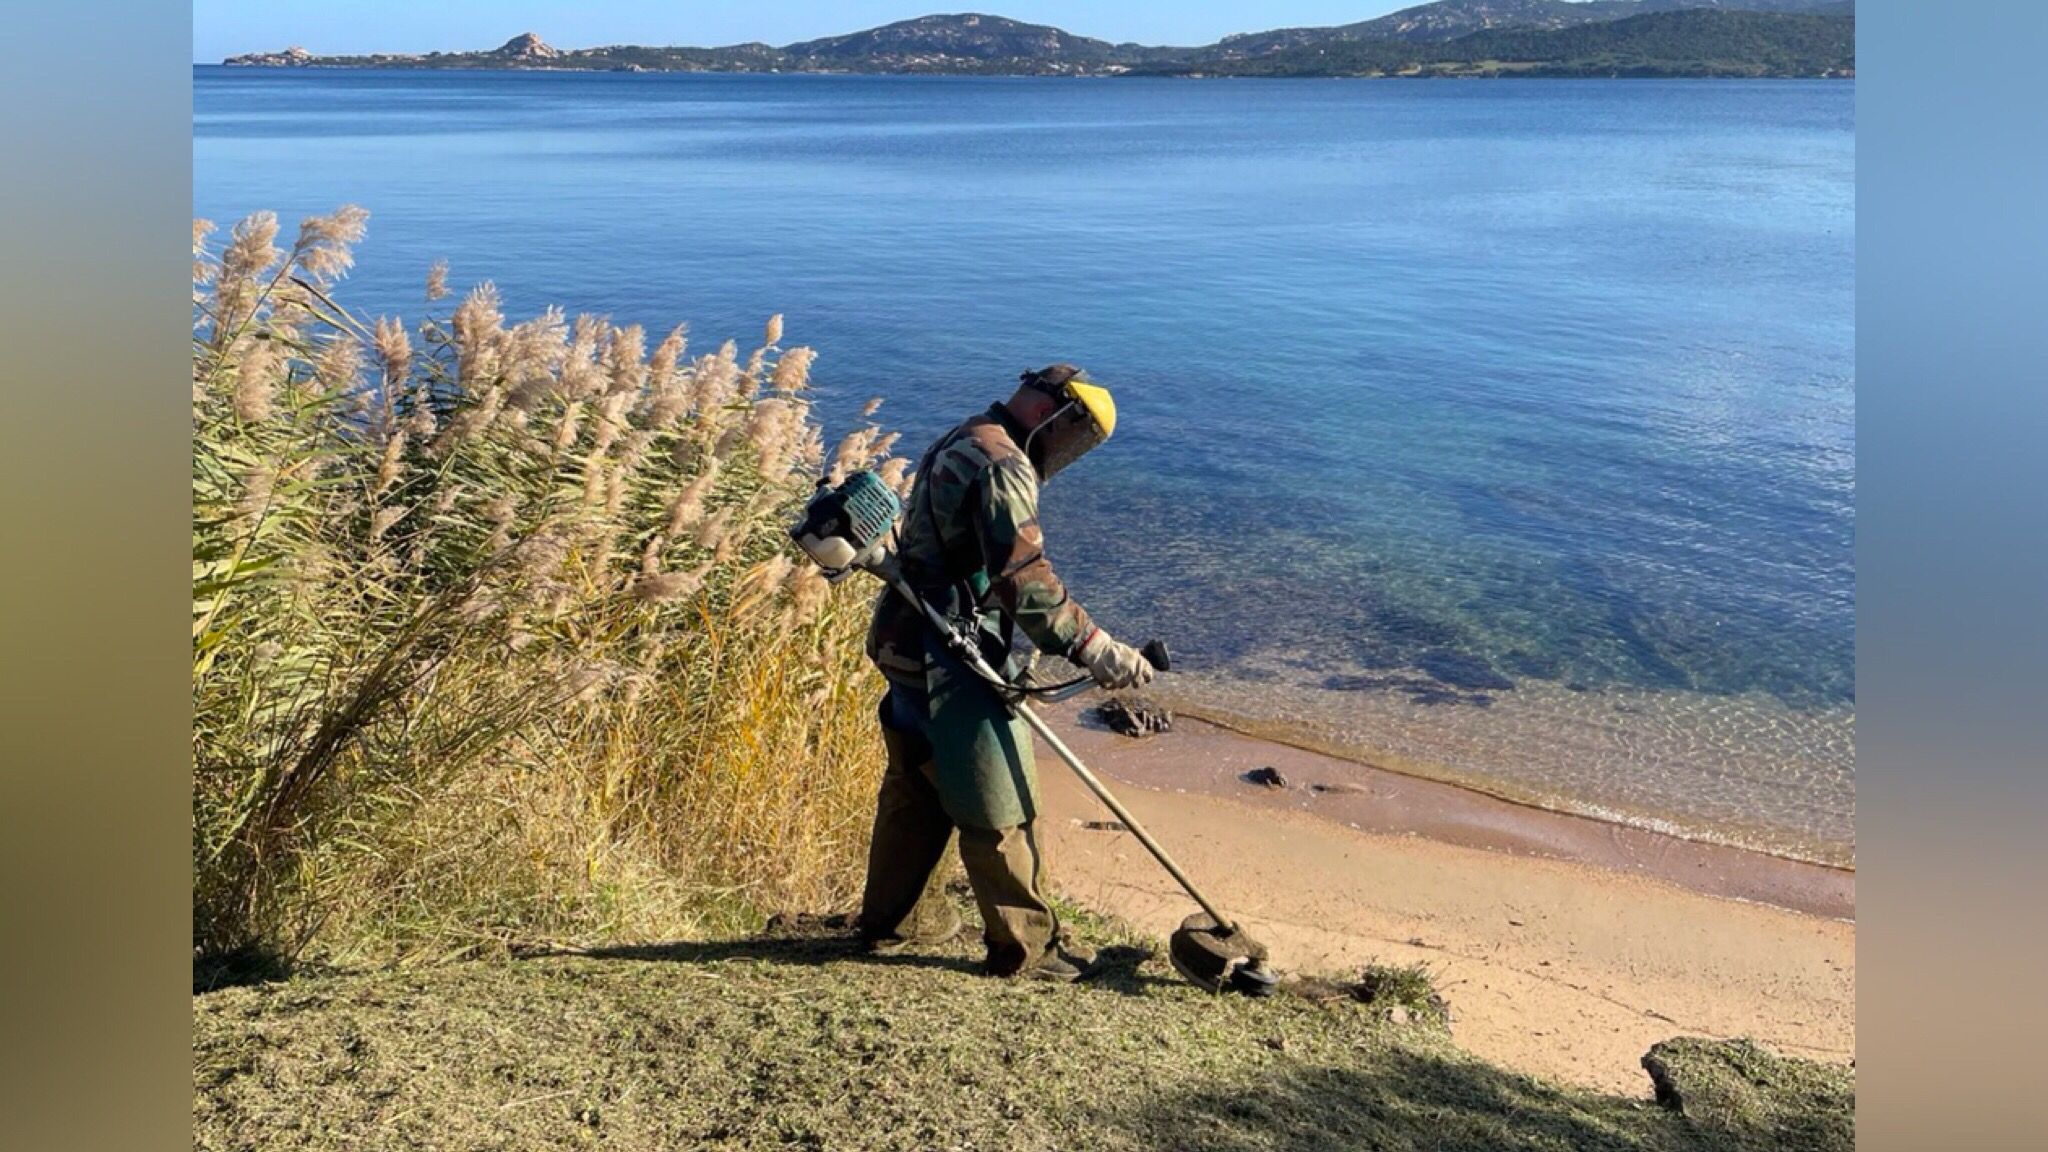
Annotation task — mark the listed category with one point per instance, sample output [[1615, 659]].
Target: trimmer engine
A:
[[847, 527]]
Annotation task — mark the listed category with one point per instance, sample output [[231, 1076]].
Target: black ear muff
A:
[[1051, 379]]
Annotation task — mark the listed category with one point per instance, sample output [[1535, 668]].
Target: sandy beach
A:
[[1565, 946]]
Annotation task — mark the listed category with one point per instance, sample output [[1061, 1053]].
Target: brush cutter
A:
[[846, 529]]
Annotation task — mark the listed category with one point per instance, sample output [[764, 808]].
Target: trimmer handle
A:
[[1156, 655]]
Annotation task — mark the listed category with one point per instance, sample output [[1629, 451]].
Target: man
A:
[[970, 544]]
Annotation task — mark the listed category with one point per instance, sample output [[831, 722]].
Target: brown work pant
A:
[[1004, 865]]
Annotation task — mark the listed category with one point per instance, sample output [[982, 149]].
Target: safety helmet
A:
[[1085, 418]]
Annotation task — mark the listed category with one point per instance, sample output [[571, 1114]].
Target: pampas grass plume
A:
[[434, 709]]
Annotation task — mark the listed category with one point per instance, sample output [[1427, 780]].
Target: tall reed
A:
[[496, 633]]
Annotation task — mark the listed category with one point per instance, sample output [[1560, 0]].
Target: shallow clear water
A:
[[1506, 427]]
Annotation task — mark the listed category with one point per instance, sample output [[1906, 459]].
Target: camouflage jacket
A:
[[969, 542]]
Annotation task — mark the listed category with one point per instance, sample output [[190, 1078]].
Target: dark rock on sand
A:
[[1269, 777], [1134, 716]]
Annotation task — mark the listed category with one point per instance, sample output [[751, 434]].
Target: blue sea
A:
[[1500, 431]]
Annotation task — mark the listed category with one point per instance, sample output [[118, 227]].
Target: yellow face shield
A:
[[1097, 402], [1086, 420]]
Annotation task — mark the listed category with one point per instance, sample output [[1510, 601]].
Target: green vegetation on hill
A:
[[1695, 42], [795, 1040], [1449, 19]]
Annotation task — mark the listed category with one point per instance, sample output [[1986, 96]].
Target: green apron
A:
[[981, 754]]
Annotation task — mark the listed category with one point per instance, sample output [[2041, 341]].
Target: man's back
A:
[[970, 541]]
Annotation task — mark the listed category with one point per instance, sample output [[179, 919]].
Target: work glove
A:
[[1114, 665]]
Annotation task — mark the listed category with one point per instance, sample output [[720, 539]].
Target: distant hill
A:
[[1686, 42], [1426, 23], [527, 48], [932, 39], [1450, 19], [1449, 37]]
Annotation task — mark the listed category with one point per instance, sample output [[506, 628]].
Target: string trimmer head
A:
[[1223, 958]]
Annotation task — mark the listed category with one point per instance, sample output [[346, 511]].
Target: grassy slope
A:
[[797, 1041]]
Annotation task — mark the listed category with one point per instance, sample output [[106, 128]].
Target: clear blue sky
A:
[[225, 27]]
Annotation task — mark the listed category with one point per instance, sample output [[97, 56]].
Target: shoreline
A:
[[1210, 756], [1691, 766], [1565, 946], [1406, 767]]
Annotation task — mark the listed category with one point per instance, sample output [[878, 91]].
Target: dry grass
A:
[[496, 637]]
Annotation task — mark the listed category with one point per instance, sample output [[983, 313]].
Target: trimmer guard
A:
[[1219, 958]]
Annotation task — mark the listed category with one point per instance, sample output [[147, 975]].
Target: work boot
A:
[[1056, 964], [1053, 967], [927, 928]]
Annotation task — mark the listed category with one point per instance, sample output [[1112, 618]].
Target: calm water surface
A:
[[1500, 430]]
